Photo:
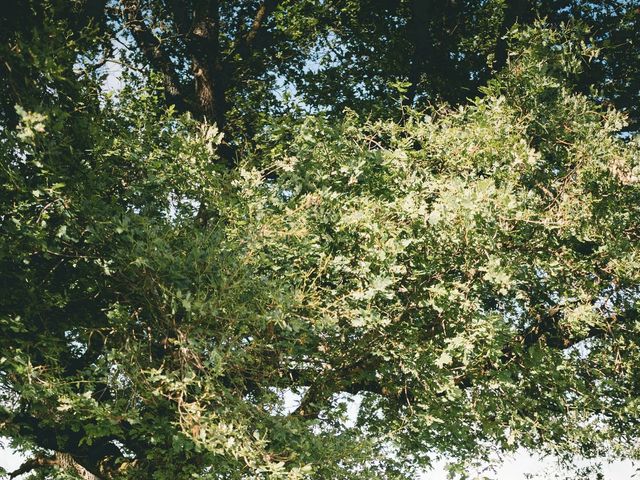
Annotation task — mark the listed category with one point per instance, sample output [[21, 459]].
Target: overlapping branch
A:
[[151, 47]]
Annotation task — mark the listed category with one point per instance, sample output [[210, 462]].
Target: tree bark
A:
[[208, 70], [61, 460]]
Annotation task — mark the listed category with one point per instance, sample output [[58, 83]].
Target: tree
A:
[[231, 62], [197, 287], [217, 58]]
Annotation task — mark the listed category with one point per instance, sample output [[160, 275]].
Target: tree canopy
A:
[[317, 239]]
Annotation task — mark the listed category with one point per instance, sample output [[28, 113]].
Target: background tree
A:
[[445, 50], [468, 277], [232, 62]]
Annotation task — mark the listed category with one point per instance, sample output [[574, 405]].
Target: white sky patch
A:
[[10, 460], [113, 81]]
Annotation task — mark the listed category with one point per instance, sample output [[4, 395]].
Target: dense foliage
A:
[[238, 63], [332, 295]]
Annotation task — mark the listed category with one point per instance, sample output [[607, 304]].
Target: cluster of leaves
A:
[[466, 278], [472, 269]]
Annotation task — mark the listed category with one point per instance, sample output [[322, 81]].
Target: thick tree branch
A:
[[428, 28], [61, 460], [100, 456], [179, 10], [249, 40], [263, 12], [546, 332], [354, 378], [95, 348], [208, 71], [151, 47], [66, 462], [33, 464]]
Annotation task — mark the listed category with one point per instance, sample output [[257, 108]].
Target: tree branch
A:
[[32, 464], [61, 460], [179, 10], [66, 462], [98, 457], [151, 47], [264, 10], [245, 43], [428, 32], [349, 379]]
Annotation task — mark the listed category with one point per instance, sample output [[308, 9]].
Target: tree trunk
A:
[[208, 71]]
